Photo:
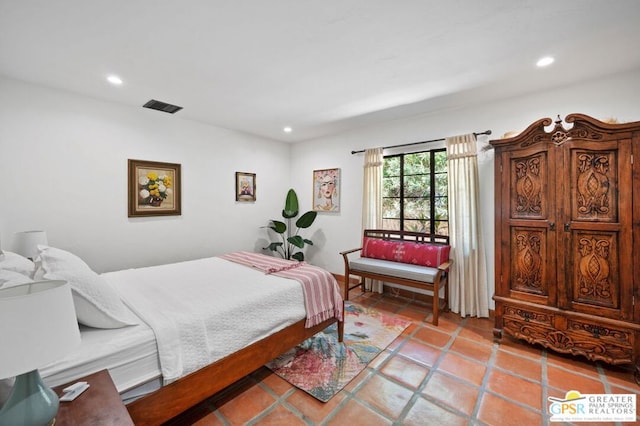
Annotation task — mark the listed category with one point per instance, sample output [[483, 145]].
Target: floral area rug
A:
[[321, 366]]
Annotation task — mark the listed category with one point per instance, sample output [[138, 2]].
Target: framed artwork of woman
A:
[[326, 190], [245, 187]]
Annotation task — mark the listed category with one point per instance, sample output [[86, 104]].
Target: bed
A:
[[181, 332]]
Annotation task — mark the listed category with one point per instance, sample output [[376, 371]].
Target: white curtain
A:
[[372, 199], [468, 275]]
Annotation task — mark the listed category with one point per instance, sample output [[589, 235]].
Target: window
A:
[[414, 194]]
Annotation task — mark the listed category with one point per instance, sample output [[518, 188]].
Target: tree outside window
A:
[[415, 194]]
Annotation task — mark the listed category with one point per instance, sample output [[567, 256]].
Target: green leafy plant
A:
[[291, 241]]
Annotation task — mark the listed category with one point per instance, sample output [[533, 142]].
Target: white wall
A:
[[63, 168], [610, 97]]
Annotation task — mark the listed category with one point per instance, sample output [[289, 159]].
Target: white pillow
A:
[[14, 262], [97, 303], [11, 278]]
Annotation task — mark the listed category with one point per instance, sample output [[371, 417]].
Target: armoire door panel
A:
[[594, 197], [595, 259], [529, 268], [528, 183]]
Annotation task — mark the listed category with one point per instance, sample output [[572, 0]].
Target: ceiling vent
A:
[[162, 106]]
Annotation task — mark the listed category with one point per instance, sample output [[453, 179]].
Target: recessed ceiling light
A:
[[115, 80], [546, 61], [287, 129]]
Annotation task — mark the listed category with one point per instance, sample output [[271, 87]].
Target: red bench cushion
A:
[[424, 254]]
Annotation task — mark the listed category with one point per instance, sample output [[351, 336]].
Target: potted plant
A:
[[290, 239]]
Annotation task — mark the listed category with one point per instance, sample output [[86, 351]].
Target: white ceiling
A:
[[321, 67]]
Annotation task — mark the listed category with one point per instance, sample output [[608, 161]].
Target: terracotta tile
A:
[[380, 359], [280, 416], [405, 371], [247, 405], [420, 352], [519, 365], [209, 420], [471, 349], [567, 380], [409, 330], [313, 409], [364, 301], [463, 368], [497, 411], [444, 324], [574, 363], [201, 414], [433, 337], [451, 317], [416, 314], [388, 397], [620, 375], [397, 299], [358, 380], [454, 393], [556, 393], [397, 342], [515, 388], [354, 413], [481, 323], [426, 412], [372, 295], [477, 334], [233, 391], [387, 307], [520, 347], [277, 384]]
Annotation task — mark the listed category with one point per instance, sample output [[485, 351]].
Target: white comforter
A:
[[203, 310]]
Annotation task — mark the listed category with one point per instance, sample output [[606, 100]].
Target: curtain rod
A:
[[486, 132]]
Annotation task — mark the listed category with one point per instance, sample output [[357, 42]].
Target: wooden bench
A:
[[410, 259]]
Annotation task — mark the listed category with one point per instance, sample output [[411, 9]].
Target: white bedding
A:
[[130, 354], [227, 306], [233, 304]]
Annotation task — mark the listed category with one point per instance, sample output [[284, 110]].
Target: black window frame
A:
[[432, 191]]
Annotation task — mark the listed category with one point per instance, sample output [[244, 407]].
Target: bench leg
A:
[[436, 305], [446, 296]]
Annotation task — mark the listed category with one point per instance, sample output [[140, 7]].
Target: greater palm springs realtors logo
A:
[[576, 407]]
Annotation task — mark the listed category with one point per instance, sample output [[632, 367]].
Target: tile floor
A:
[[453, 374]]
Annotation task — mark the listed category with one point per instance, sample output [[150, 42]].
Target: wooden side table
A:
[[99, 405]]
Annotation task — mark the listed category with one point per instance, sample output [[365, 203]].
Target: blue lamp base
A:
[[30, 402]]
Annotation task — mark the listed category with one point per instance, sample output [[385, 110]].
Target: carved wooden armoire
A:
[[568, 238]]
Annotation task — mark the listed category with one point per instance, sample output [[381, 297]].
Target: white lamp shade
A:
[[37, 326], [26, 243]]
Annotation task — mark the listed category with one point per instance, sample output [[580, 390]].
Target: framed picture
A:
[[245, 186], [326, 190], [154, 188]]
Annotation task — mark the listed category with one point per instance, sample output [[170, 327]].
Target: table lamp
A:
[[26, 243], [37, 326]]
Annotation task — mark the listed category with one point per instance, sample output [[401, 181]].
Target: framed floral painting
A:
[[154, 188], [326, 190], [245, 186]]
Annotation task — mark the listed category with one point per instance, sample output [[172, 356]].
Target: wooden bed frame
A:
[[175, 398]]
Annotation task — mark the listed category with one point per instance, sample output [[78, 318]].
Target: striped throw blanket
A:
[[321, 291]]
